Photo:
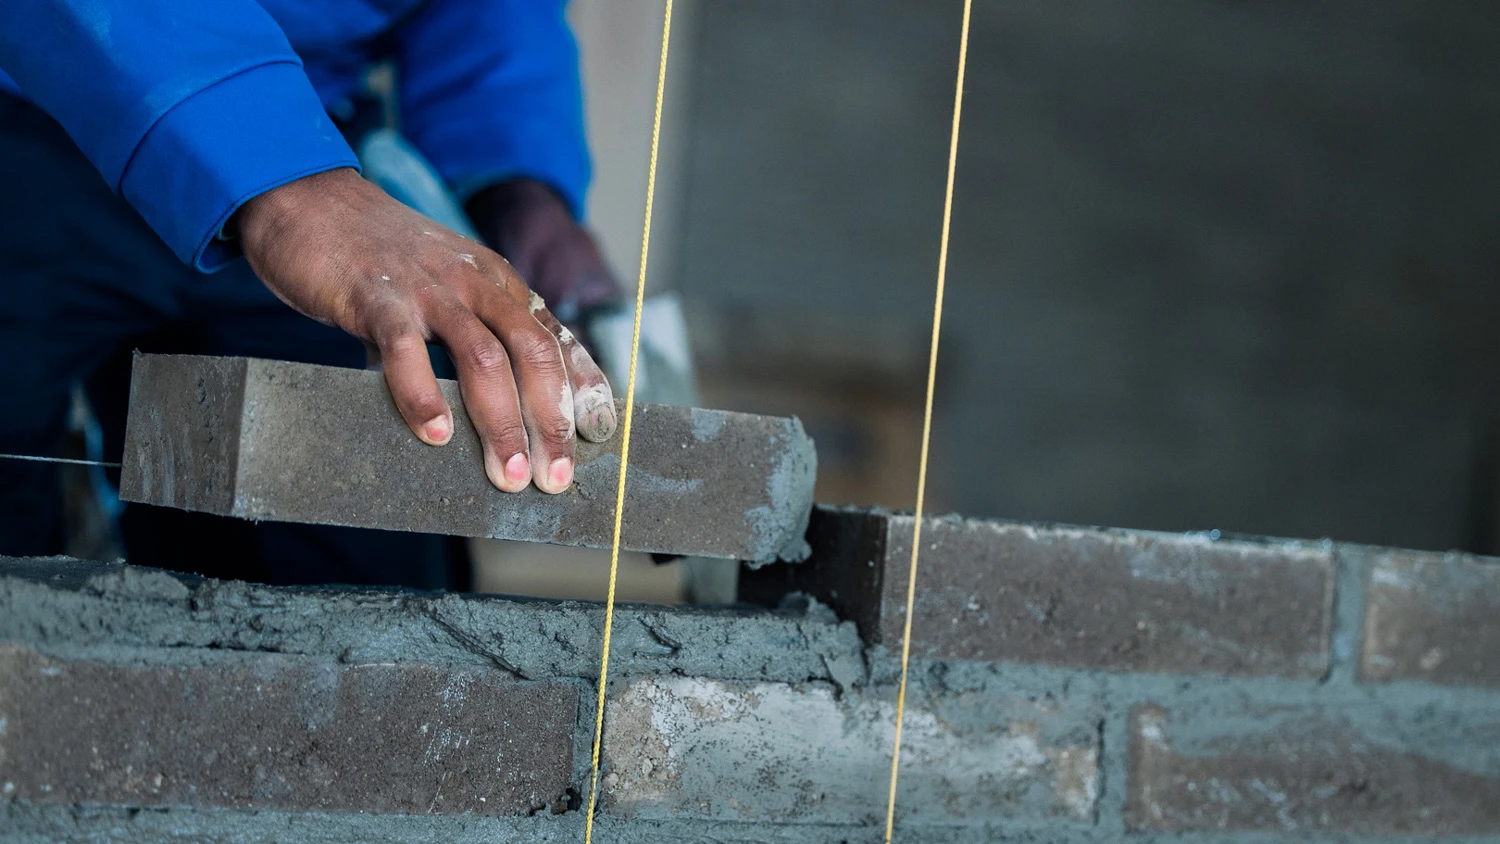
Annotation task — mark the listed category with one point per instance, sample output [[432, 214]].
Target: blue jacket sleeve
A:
[[186, 108], [490, 91]]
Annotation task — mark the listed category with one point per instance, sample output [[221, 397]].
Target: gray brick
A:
[[1071, 596], [1355, 768], [294, 442], [1432, 617], [276, 733], [684, 748]]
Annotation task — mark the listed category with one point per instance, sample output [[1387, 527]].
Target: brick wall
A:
[[1068, 685]]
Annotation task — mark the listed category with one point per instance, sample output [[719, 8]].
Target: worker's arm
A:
[[490, 94], [198, 112], [186, 108]]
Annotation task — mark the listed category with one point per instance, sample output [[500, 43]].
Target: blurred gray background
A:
[[1222, 265]]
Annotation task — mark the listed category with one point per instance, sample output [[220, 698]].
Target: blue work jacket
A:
[[189, 108]]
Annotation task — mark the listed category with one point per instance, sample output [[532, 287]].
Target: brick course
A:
[[1072, 596], [279, 733], [1301, 769]]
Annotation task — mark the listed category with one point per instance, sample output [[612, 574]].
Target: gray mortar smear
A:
[[706, 426], [112, 612], [644, 480], [789, 487]]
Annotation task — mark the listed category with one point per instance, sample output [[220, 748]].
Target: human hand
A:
[[340, 250], [530, 225]]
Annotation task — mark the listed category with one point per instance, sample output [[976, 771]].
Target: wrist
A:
[[270, 210]]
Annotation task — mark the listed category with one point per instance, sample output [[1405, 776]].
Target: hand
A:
[[338, 249], [530, 225]]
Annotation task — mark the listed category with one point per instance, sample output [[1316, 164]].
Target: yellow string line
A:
[[937, 324], [635, 345]]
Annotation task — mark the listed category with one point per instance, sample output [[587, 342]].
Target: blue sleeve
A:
[[186, 108], [490, 91]]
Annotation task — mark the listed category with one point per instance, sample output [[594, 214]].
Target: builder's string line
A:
[[635, 345], [937, 324], [69, 460]]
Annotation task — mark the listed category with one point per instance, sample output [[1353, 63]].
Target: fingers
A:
[[490, 396], [408, 373], [593, 401], [542, 381]]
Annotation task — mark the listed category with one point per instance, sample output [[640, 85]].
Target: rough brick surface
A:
[[1353, 768], [1083, 597], [295, 442], [284, 734], [1432, 617], [681, 747]]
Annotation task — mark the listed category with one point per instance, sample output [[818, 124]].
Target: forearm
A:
[[186, 109]]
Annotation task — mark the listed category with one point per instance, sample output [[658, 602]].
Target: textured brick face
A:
[[1432, 617], [1304, 770], [1078, 597], [292, 442], [1111, 599], [283, 734]]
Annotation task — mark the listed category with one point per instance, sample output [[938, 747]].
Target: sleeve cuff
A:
[[225, 144]]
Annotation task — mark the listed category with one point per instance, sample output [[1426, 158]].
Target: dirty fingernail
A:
[[604, 419], [596, 422], [438, 430], [560, 473], [517, 468]]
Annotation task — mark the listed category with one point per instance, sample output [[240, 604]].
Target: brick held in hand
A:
[[277, 441]]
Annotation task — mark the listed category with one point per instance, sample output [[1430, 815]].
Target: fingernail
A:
[[517, 469], [560, 472], [604, 419], [598, 420], [438, 430]]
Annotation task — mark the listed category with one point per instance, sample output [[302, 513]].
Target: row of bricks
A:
[[1140, 601], [264, 731], [248, 437]]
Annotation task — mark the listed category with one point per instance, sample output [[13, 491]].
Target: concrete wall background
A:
[[620, 43], [1214, 264]]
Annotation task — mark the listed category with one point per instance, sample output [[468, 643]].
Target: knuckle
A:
[[538, 351], [386, 320], [512, 435], [486, 357], [504, 431], [474, 290], [555, 428]]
